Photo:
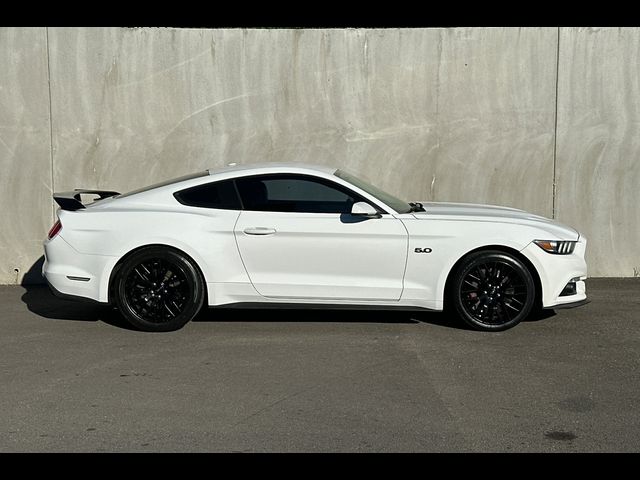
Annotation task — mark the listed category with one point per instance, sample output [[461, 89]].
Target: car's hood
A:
[[488, 213]]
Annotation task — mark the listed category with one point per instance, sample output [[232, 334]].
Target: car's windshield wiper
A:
[[416, 207]]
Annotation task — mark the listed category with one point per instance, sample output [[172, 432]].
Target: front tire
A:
[[492, 291], [159, 289]]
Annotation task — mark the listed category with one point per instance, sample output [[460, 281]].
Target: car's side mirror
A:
[[363, 209]]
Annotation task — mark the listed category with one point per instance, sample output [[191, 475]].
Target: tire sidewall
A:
[[481, 257], [185, 264]]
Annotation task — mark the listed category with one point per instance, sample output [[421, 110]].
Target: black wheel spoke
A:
[[171, 312], [505, 309], [513, 299], [481, 273], [142, 275], [472, 284], [474, 277], [508, 305]]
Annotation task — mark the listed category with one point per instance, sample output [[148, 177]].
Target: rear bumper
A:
[[66, 296], [74, 275]]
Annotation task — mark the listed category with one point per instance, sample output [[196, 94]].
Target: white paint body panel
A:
[[317, 255], [309, 257]]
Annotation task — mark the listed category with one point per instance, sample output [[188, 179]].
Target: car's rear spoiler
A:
[[72, 200]]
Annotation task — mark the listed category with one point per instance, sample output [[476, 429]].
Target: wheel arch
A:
[[502, 248], [114, 271]]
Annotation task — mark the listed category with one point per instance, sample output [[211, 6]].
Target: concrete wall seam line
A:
[[53, 206], [555, 129]]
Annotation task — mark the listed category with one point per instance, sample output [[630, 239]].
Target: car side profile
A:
[[275, 234]]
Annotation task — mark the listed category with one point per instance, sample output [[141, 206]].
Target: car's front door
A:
[[297, 239]]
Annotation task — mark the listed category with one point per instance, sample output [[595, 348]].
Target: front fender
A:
[[426, 274]]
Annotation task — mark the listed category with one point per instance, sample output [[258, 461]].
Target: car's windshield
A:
[[398, 205]]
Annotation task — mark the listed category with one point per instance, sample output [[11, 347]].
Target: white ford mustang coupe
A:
[[300, 234]]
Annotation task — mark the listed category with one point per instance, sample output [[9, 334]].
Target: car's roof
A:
[[271, 167], [151, 192]]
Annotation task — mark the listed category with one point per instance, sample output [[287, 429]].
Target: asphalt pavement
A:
[[74, 378]]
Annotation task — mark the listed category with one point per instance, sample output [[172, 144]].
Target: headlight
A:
[[558, 247]]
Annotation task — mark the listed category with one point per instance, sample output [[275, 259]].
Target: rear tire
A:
[[158, 289], [492, 291]]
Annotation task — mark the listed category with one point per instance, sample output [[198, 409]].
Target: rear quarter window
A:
[[220, 195], [165, 183]]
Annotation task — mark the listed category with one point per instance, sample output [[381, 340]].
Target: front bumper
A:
[[575, 304], [556, 271]]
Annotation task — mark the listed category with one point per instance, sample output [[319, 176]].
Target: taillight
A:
[[55, 229]]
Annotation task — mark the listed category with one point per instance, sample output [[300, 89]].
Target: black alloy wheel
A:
[[159, 289], [493, 291]]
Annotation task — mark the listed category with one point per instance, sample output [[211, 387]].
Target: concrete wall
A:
[[465, 114], [598, 156], [25, 150]]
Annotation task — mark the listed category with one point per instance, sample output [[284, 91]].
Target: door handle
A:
[[259, 231]]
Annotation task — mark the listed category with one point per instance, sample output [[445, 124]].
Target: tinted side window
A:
[[294, 193], [211, 195]]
